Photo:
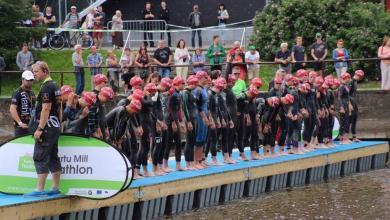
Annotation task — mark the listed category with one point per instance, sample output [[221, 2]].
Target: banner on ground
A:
[[91, 168]]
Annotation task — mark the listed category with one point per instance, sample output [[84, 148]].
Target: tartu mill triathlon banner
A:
[[91, 168]]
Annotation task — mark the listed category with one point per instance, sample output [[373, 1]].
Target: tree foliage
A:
[[361, 24], [13, 34]]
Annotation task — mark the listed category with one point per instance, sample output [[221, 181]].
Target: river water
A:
[[359, 196]]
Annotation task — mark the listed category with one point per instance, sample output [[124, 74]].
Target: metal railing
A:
[[140, 25]]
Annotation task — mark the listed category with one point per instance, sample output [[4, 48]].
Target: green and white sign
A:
[[91, 168]]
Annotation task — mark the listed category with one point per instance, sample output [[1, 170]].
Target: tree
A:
[[13, 34], [361, 24]]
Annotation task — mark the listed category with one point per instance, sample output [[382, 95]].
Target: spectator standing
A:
[[164, 15], [283, 57], [89, 20], [98, 23], [2, 64], [126, 63], [341, 55], [196, 22], [319, 51], [117, 26], [163, 57], [95, 61], [142, 62], [223, 17], [50, 21], [22, 102], [112, 70], [236, 45], [298, 53], [182, 57], [24, 58], [72, 21], [147, 15], [47, 133], [78, 67], [216, 54], [252, 58], [237, 59], [198, 61], [384, 53]]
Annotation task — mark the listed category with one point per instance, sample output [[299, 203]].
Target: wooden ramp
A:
[[183, 191]]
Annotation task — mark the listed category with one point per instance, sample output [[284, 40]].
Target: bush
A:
[[13, 34], [362, 25]]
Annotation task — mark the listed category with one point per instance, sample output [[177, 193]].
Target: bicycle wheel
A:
[[85, 40], [56, 42]]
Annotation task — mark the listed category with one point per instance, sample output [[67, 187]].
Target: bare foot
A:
[[148, 174], [356, 140], [167, 170], [137, 176]]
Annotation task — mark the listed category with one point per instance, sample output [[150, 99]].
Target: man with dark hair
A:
[[23, 100], [319, 51], [195, 21], [216, 53], [147, 14], [164, 15]]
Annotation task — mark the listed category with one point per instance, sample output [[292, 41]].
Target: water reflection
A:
[[360, 196]]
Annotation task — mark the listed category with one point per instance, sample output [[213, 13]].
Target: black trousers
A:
[[199, 38], [148, 27], [20, 131]]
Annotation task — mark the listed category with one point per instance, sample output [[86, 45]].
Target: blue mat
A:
[[7, 200]]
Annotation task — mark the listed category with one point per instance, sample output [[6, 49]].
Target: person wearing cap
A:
[[71, 21], [269, 125], [95, 61], [190, 114], [283, 57], [252, 58], [175, 119], [78, 66], [345, 108], [358, 76], [319, 51], [78, 124], [46, 136], [96, 121], [298, 53], [202, 121], [22, 102]]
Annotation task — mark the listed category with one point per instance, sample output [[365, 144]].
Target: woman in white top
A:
[[182, 57], [89, 19], [117, 26]]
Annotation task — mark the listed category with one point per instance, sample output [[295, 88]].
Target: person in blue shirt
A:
[[341, 55]]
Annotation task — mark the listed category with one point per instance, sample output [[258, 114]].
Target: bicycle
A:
[[58, 41]]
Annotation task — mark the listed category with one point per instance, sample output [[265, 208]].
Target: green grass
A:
[[61, 61]]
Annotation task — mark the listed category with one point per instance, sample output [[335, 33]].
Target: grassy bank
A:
[[61, 61]]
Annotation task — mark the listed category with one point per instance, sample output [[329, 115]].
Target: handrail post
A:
[[62, 79]]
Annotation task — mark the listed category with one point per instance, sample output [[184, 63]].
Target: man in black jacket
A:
[[164, 15], [195, 22]]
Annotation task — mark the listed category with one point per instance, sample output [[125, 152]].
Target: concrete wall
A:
[[373, 122]]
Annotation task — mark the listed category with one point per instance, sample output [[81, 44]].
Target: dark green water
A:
[[359, 196]]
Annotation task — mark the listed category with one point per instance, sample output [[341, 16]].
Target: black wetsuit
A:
[[215, 113], [74, 123], [158, 144], [175, 115], [225, 115], [268, 118], [147, 123], [311, 121], [190, 112], [354, 112], [231, 103], [242, 111], [293, 126]]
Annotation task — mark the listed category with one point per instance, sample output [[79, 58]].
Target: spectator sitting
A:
[[198, 61], [117, 26], [162, 57], [78, 65], [95, 61], [112, 70], [216, 53], [340, 54], [182, 57], [37, 16], [252, 57], [283, 57], [24, 58], [142, 62]]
